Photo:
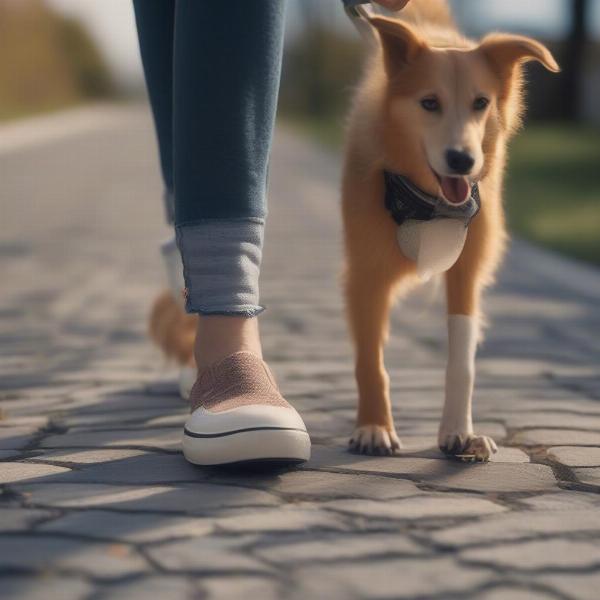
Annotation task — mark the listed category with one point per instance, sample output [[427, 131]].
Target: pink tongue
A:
[[456, 189]]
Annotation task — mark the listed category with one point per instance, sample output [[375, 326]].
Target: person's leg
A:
[[227, 67], [226, 77], [156, 29]]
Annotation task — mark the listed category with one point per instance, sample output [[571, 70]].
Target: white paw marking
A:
[[468, 447], [374, 440]]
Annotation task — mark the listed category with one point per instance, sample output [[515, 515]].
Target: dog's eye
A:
[[431, 104], [480, 103]]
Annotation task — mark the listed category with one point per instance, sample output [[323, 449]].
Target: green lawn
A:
[[553, 184], [553, 189]]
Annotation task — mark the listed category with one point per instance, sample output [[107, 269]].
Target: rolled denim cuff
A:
[[221, 265]]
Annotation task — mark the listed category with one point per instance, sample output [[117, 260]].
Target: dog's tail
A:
[[428, 12], [172, 329]]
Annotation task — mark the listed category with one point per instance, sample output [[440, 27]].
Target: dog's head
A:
[[449, 106]]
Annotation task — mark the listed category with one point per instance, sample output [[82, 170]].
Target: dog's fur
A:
[[419, 55], [172, 329]]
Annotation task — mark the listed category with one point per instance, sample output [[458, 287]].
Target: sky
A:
[[112, 25]]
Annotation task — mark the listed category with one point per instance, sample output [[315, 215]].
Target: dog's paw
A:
[[468, 447], [374, 440]]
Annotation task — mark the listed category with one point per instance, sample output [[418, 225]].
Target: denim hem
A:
[[207, 220], [221, 265], [232, 312]]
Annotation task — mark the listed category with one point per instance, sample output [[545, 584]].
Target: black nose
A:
[[459, 161]]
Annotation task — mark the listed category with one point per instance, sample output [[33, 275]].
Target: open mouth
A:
[[456, 190]]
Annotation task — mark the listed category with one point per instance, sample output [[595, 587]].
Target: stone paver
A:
[[43, 553], [328, 549], [589, 477], [538, 555], [515, 526], [557, 437], [208, 554], [189, 498], [141, 469], [131, 527], [514, 593], [307, 485], [17, 587], [11, 472], [19, 519], [163, 439], [298, 517], [171, 587], [95, 498], [241, 587], [418, 507], [389, 578], [584, 585], [562, 501], [85, 457], [491, 477], [15, 438], [574, 456]]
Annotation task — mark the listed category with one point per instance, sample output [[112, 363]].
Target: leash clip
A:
[[359, 12]]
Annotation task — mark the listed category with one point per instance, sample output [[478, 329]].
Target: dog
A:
[[172, 329], [174, 332], [438, 109]]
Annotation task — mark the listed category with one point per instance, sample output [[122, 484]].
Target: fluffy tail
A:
[[172, 329]]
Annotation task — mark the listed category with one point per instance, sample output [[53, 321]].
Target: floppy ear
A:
[[506, 51], [401, 45]]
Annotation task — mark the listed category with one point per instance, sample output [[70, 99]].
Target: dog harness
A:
[[406, 202], [431, 232]]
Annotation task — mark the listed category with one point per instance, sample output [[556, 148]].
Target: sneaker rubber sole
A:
[[255, 444]]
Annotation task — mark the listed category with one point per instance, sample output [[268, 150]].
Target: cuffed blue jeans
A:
[[212, 71]]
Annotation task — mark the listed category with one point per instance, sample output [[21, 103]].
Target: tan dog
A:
[[439, 109]]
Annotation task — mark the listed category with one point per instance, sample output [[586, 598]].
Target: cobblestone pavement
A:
[[96, 499]]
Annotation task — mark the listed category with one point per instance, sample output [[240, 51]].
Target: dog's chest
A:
[[434, 245]]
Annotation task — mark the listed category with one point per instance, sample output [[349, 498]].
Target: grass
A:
[[553, 184], [553, 189]]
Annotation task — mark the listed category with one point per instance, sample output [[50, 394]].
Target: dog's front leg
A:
[[368, 298], [456, 436]]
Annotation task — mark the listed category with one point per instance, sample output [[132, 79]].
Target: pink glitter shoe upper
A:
[[241, 379]]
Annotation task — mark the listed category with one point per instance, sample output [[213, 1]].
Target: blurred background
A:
[[55, 54]]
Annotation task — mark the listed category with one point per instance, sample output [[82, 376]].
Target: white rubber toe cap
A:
[[247, 433]]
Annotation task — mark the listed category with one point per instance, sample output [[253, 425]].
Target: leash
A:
[[359, 12]]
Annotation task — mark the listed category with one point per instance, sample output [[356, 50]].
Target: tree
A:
[[574, 60]]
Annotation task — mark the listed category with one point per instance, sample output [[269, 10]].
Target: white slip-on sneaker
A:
[[239, 416]]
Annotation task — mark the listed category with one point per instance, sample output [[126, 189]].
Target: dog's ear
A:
[[505, 51], [401, 44]]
